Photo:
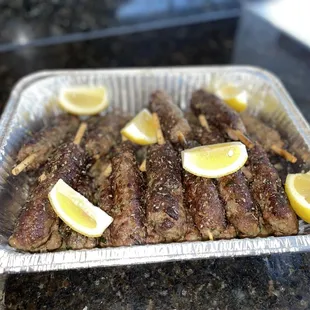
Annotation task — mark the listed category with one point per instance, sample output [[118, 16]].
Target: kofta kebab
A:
[[153, 193]]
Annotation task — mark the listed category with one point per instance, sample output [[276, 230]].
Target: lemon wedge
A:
[[141, 129], [297, 188], [83, 100], [216, 160], [235, 97], [77, 212]]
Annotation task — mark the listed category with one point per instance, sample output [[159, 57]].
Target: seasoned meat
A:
[[172, 123], [170, 115], [262, 133], [269, 194], [166, 217], [98, 169], [105, 202], [84, 186], [215, 111], [100, 173], [38, 221], [212, 137], [240, 209], [127, 188], [103, 133], [205, 206], [73, 240], [47, 139], [54, 241], [206, 137], [192, 233]]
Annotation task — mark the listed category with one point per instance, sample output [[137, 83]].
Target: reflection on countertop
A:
[[42, 22], [259, 43], [215, 41]]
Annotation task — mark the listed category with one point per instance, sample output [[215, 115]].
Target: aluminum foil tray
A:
[[33, 100]]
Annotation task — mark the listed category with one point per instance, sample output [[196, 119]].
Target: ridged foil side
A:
[[33, 100]]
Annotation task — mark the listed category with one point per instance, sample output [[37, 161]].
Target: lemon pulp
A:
[[235, 97], [141, 129], [213, 161], [74, 212], [297, 188], [214, 157], [83, 100], [302, 185], [77, 212]]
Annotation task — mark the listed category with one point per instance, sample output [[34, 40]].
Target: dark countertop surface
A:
[[272, 282], [23, 22], [142, 49], [268, 282]]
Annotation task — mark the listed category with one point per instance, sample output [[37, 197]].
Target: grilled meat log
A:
[[103, 130], [205, 207], [211, 136], [127, 187], [192, 233], [262, 133], [43, 143], [173, 123], [103, 133], [241, 211], [103, 193], [215, 111], [73, 240], [171, 117], [105, 202], [267, 189], [166, 216], [37, 226]]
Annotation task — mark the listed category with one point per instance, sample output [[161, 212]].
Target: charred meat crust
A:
[[72, 240], [269, 194], [264, 134], [103, 133], [104, 200], [241, 211], [38, 220], [46, 140], [166, 217], [213, 136], [192, 233], [127, 187], [171, 117], [215, 110], [205, 206]]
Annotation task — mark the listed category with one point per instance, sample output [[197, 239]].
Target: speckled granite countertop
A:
[[274, 282], [215, 41], [24, 21], [269, 282]]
